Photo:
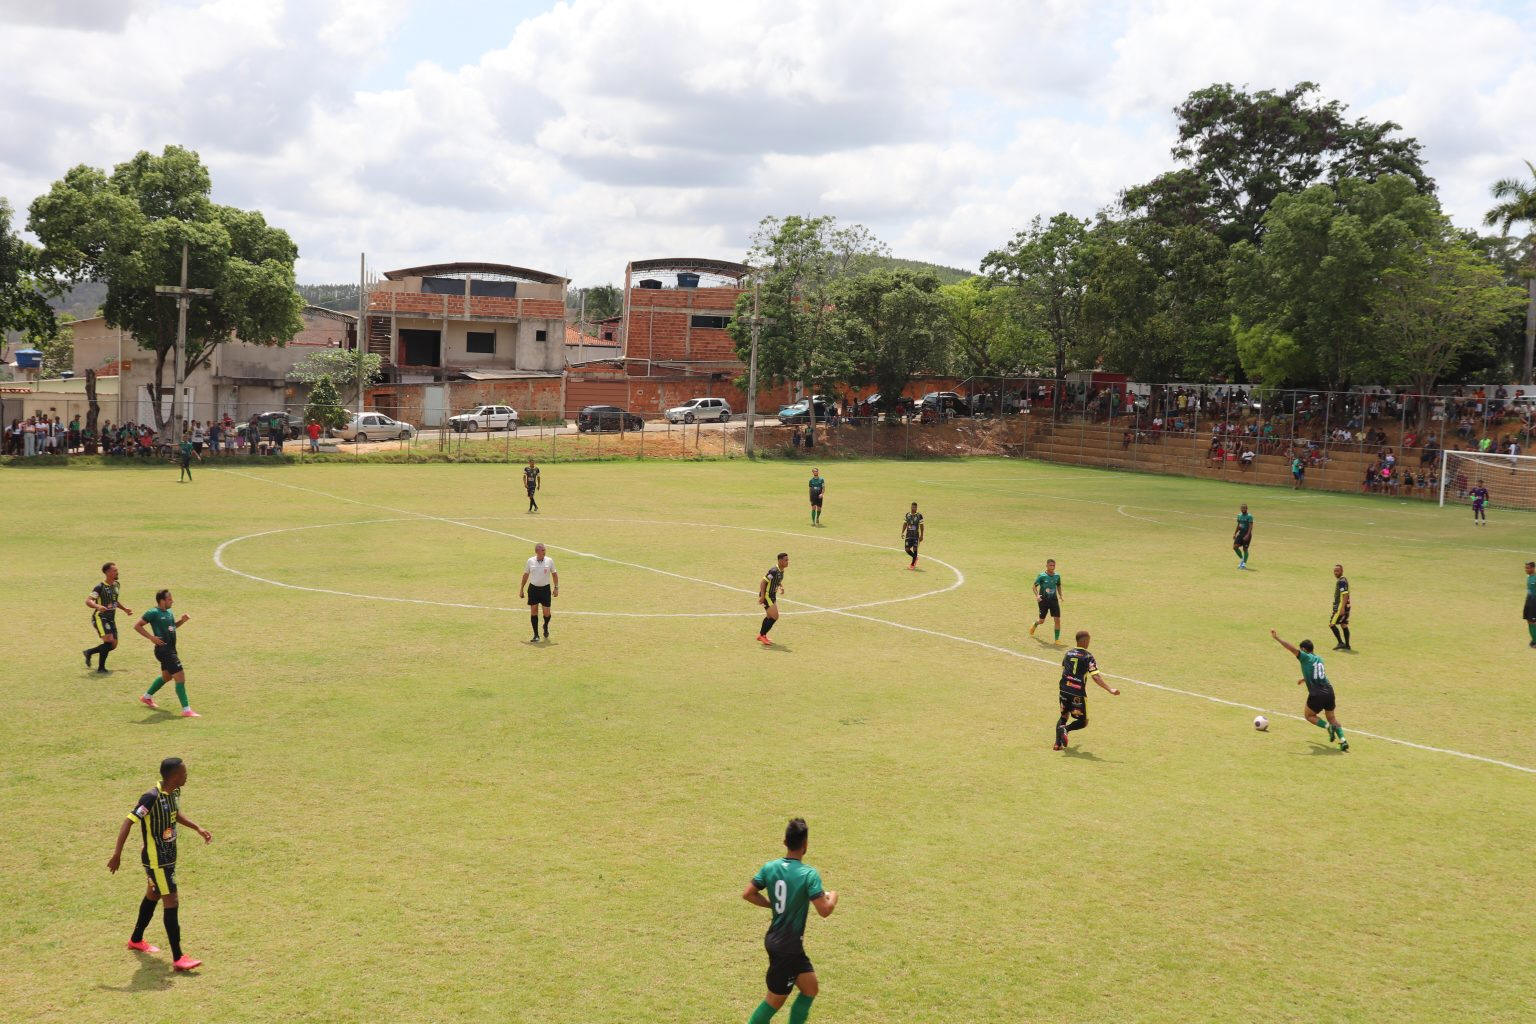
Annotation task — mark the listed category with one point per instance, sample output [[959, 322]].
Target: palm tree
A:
[[1518, 203]]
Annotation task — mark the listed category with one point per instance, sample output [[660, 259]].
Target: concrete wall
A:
[[530, 396], [517, 344]]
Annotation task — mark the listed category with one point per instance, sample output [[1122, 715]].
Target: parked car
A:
[[595, 418], [268, 420], [374, 426], [940, 404], [800, 412], [700, 409], [871, 405], [485, 417]]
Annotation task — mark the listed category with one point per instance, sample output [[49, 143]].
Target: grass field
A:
[[417, 816]]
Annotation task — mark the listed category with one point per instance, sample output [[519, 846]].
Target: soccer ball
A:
[[1261, 723]]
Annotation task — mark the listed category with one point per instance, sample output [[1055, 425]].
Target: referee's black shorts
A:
[[1530, 609], [539, 595]]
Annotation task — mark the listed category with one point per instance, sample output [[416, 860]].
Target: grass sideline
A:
[[418, 817]]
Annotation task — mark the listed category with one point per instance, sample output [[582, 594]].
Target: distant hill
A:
[[342, 297], [946, 275], [83, 300]]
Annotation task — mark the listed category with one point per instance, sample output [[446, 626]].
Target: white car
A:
[[374, 426], [713, 409], [485, 417]]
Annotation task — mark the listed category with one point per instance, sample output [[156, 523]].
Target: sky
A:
[[573, 137]]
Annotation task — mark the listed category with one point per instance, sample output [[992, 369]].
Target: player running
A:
[[1047, 590], [792, 887], [1339, 620], [157, 814], [1320, 696], [818, 488], [104, 606], [768, 589], [1529, 614], [912, 533], [164, 623], [1242, 536], [1076, 667], [1479, 500], [531, 484]]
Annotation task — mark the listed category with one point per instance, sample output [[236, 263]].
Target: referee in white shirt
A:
[[541, 583]]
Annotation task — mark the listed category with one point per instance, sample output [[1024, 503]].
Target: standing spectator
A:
[[253, 433], [314, 435], [215, 435]]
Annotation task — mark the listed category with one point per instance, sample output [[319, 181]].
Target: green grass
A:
[[419, 817]]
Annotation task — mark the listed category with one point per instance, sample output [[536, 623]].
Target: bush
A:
[[324, 405]]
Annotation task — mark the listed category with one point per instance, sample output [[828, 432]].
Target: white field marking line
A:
[[409, 515], [1046, 661], [1156, 522], [1267, 522]]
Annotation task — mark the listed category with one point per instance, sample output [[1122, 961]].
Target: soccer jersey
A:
[[817, 483], [775, 578], [163, 623], [186, 450], [1049, 583], [531, 477], [1312, 672], [1530, 587], [539, 573], [155, 814], [1076, 667], [1244, 524], [1479, 495], [913, 522], [791, 885], [1340, 591]]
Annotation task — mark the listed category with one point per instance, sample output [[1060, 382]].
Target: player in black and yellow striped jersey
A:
[[156, 816], [531, 484], [768, 596], [104, 605]]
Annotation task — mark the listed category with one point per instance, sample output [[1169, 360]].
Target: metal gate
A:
[[433, 405], [583, 392]]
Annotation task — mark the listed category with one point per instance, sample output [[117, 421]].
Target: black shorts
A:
[[786, 961], [538, 595], [912, 540], [1242, 540], [1320, 699], [162, 878], [816, 499], [1074, 704], [1049, 606], [170, 661], [105, 625], [1340, 617], [1530, 608]]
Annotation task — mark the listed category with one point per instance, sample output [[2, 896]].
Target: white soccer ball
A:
[[1261, 723]]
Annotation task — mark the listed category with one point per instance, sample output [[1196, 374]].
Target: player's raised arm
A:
[[1289, 647], [825, 903]]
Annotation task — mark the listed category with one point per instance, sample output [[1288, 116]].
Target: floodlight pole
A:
[[752, 375], [183, 299]]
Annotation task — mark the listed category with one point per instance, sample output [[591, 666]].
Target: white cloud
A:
[[605, 130]]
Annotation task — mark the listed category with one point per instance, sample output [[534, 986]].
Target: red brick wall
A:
[[416, 304], [659, 323], [536, 396]]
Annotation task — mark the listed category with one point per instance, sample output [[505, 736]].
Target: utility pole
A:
[[752, 375], [362, 322], [183, 299]]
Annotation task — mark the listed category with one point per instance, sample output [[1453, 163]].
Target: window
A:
[[481, 342], [540, 335], [711, 320]]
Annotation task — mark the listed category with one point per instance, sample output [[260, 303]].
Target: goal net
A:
[[1509, 479]]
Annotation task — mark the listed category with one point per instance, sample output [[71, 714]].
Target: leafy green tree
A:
[[986, 337], [324, 405], [1313, 281], [1518, 205], [797, 260], [1047, 266], [892, 325], [58, 349], [339, 366], [602, 302], [128, 229], [24, 287]]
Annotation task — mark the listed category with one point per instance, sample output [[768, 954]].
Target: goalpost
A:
[[1510, 479]]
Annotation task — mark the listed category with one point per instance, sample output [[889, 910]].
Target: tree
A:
[[1436, 305], [602, 301], [324, 405], [59, 349], [24, 287], [797, 260], [1313, 280], [339, 366], [1518, 205], [1048, 266], [985, 334], [128, 229], [891, 325]]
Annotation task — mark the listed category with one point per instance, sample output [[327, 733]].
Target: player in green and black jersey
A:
[[1339, 620], [1320, 695], [1242, 536], [163, 621], [531, 484], [1529, 612], [104, 605], [156, 816], [818, 489], [1047, 588], [185, 453], [789, 887], [768, 596], [912, 533], [1076, 669]]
